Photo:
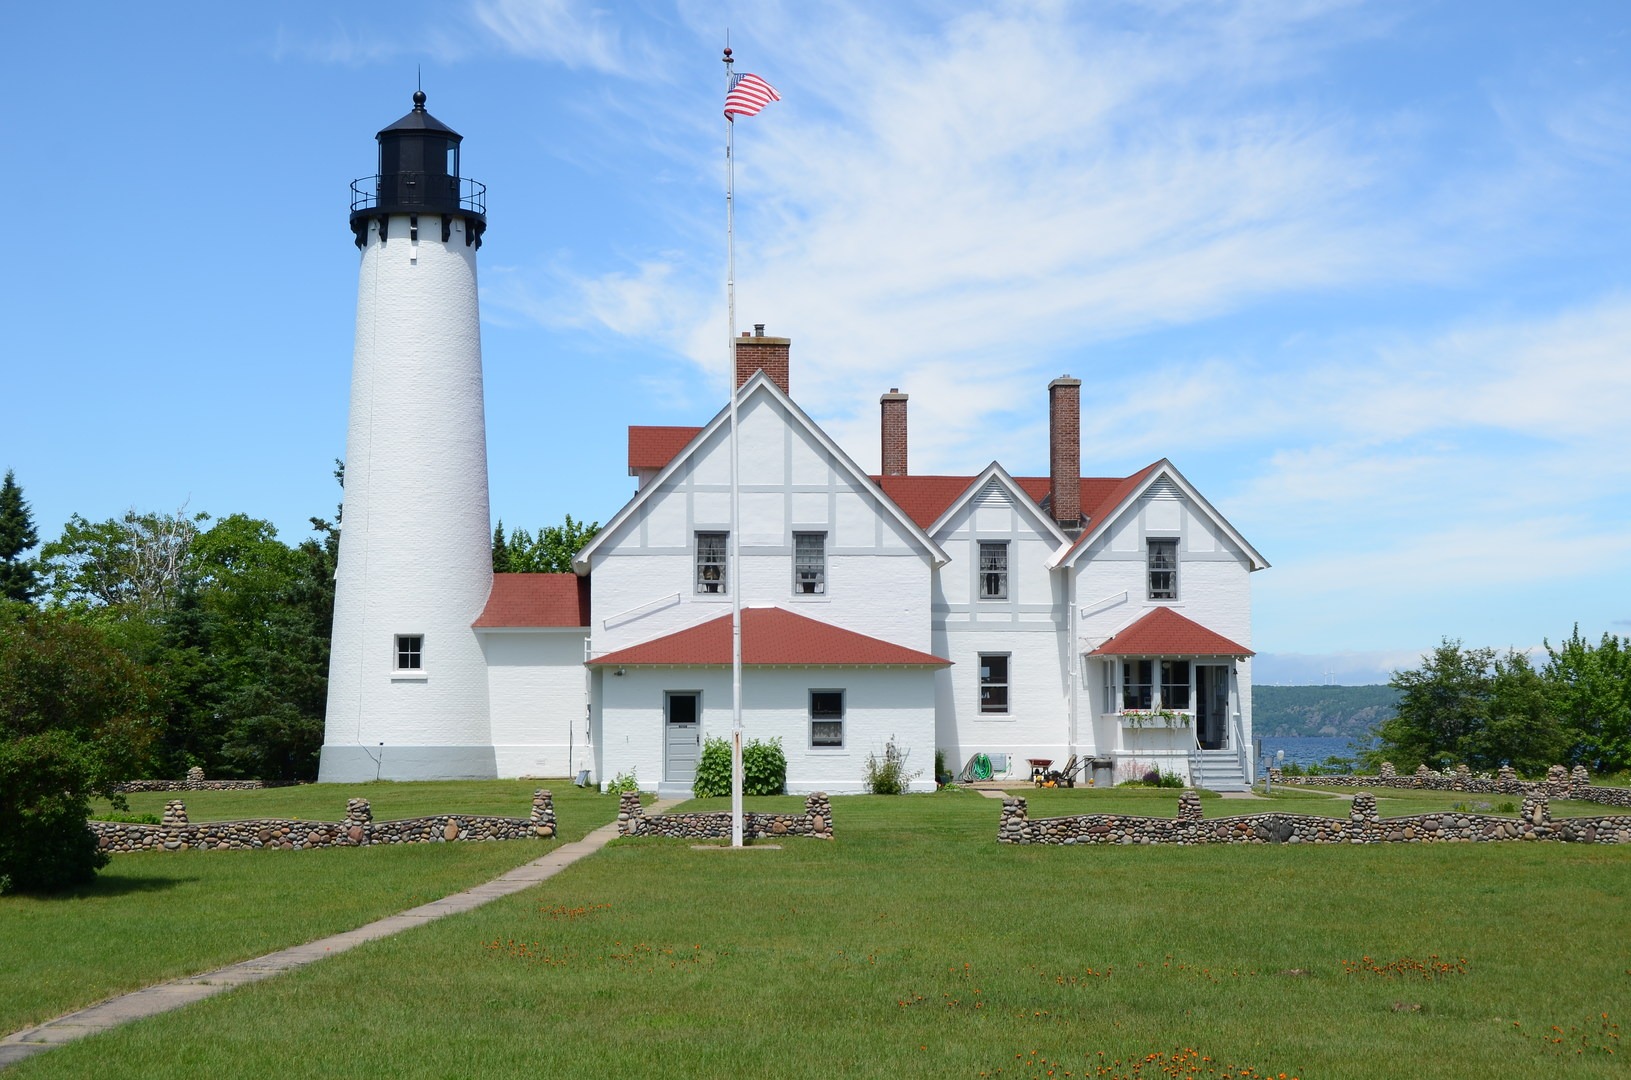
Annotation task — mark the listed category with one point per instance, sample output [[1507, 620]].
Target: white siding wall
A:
[[537, 686], [879, 704]]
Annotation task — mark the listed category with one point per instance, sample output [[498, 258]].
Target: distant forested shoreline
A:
[[1353, 712]]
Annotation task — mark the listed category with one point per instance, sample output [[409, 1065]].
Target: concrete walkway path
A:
[[165, 996]]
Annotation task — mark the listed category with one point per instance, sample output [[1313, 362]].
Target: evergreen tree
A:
[[501, 550], [18, 579]]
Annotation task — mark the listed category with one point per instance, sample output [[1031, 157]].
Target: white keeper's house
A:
[[1104, 621]]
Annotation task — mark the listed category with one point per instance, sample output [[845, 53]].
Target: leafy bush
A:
[[888, 776], [764, 768], [622, 782], [713, 770], [129, 819], [941, 776], [1154, 777]]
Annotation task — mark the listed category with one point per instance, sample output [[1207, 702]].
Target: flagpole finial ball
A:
[[727, 54], [419, 99]]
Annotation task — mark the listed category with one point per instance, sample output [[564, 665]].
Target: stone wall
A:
[[195, 782], [816, 821], [1363, 826], [1560, 783], [359, 829]]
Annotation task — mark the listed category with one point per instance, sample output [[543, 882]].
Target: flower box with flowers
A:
[[1156, 718]]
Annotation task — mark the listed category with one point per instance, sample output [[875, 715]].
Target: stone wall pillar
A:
[[1506, 779], [543, 813], [1013, 827], [1388, 772], [1557, 782], [359, 821], [1537, 810], [175, 813], [1189, 806], [819, 807], [1363, 811], [195, 778], [630, 815], [1579, 781]]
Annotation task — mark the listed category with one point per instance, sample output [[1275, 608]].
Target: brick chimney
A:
[[894, 432], [755, 352], [1065, 451]]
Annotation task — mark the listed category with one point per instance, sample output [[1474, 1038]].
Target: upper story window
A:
[[993, 570], [1163, 566], [410, 652], [711, 562], [809, 563], [993, 682]]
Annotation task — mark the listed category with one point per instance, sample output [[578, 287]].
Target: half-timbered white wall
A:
[[1026, 625], [1112, 591], [645, 572]]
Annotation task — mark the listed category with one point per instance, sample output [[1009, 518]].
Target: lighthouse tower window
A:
[[410, 652]]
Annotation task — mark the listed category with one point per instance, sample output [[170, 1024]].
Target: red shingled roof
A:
[[655, 447], [925, 498], [536, 600], [1164, 632], [771, 637]]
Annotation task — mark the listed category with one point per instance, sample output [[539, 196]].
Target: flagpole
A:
[[734, 577]]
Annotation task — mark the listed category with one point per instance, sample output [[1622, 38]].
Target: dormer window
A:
[[1163, 569]]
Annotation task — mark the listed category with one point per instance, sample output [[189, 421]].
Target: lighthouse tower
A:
[[407, 697]]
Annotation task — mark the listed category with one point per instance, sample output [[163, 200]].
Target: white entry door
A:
[[682, 736]]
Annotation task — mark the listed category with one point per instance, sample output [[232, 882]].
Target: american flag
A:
[[748, 94]]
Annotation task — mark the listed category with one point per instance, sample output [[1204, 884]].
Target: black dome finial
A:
[[419, 100]]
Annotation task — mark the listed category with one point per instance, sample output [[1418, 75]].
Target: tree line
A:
[[1487, 709], [147, 644]]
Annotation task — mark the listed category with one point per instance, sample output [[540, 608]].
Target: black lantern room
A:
[[418, 174]]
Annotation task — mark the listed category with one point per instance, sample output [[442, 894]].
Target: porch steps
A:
[[1219, 770]]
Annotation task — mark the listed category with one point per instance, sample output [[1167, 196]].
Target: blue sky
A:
[[1359, 269]]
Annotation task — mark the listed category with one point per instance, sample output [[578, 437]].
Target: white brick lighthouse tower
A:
[[407, 696]]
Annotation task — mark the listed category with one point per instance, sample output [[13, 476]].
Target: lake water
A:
[[1309, 750]]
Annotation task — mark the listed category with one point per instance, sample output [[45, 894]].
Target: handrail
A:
[[471, 194]]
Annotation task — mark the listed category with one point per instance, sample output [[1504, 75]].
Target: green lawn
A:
[[161, 915], [915, 945]]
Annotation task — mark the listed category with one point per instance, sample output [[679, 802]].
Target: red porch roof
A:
[[771, 637], [536, 600], [1164, 632]]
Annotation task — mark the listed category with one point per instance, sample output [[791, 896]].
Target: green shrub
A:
[[713, 770], [888, 776], [764, 768], [129, 819], [622, 782]]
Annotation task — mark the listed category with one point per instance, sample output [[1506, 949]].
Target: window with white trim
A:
[[827, 718], [711, 562], [809, 563], [1163, 567], [1175, 684], [410, 652], [993, 683], [993, 570]]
